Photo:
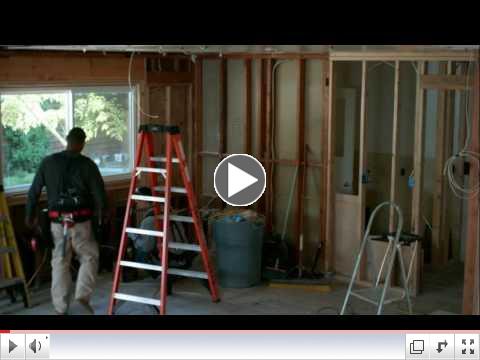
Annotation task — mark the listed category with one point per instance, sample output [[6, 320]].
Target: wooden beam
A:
[[261, 115], [247, 126], [222, 142], [417, 196], [268, 152], [265, 56], [330, 179], [395, 142], [362, 165], [299, 203], [191, 127], [445, 82], [419, 143], [169, 77], [401, 55], [198, 127], [439, 185], [472, 263], [322, 213], [446, 199]]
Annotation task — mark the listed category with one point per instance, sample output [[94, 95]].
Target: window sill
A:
[[19, 197]]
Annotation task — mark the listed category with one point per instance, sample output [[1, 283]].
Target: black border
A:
[[244, 322]]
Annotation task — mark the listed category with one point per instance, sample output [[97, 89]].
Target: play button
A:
[[11, 346], [239, 180]]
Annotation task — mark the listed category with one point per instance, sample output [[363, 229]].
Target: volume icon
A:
[[35, 346]]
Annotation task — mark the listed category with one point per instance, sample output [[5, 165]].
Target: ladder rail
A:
[[126, 224], [192, 203], [166, 224]]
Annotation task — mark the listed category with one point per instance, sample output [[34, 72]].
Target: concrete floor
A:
[[442, 294]]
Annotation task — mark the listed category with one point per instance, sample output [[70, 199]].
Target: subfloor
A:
[[442, 294]]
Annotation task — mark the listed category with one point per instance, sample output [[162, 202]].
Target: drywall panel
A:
[[285, 114], [235, 106], [346, 233], [211, 105]]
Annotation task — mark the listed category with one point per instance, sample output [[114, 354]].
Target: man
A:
[[75, 195]]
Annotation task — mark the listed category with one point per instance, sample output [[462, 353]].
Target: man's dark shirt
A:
[[83, 174]]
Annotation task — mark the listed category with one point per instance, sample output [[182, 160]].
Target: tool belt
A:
[[76, 216]]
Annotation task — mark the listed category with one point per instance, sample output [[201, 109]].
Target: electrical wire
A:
[[460, 190], [35, 274], [130, 87], [272, 131]]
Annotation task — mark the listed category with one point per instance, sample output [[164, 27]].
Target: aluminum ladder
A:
[[381, 295], [161, 196]]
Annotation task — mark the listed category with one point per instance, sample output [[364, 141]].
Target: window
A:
[[34, 124]]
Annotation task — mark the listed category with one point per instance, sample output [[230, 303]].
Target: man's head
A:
[[76, 140]]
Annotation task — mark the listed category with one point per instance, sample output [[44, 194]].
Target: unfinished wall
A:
[[285, 130]]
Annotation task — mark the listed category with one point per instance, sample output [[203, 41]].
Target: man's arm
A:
[[34, 194], [97, 189]]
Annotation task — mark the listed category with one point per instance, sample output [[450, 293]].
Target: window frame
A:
[[69, 91]]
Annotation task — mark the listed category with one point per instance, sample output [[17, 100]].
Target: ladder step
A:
[[10, 282], [7, 250], [152, 170], [144, 232], [137, 299], [178, 218], [184, 246], [163, 159], [142, 266], [173, 189], [148, 198], [171, 271]]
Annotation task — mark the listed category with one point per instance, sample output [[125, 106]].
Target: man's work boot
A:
[[86, 306]]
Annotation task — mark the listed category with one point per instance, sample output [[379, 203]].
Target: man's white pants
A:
[[80, 240]]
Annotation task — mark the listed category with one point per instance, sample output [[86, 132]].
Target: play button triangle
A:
[[11, 346], [238, 180]]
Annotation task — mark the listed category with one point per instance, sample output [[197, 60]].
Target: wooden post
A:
[[247, 126], [471, 279], [268, 155], [222, 142], [262, 133], [198, 128], [438, 193], [446, 199], [394, 168], [322, 213], [362, 165], [330, 178], [299, 203], [419, 144]]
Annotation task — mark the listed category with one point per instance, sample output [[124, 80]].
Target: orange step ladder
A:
[[161, 197]]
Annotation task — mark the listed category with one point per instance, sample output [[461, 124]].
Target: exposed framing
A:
[[302, 168], [395, 135], [472, 262]]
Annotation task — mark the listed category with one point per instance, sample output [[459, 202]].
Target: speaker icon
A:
[[35, 346]]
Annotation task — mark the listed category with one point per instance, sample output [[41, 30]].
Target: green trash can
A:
[[239, 252]]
